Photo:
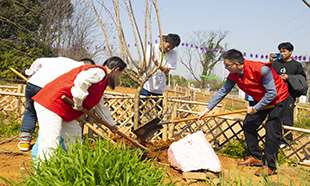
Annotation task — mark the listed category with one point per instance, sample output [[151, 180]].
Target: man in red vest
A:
[[85, 85], [260, 81]]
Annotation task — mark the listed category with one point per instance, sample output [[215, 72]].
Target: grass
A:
[[303, 122], [237, 149], [105, 164], [234, 178], [9, 126]]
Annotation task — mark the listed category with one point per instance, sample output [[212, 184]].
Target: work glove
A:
[[251, 110]]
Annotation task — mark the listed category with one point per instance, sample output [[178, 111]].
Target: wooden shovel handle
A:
[[97, 131], [138, 145], [19, 74], [218, 114]]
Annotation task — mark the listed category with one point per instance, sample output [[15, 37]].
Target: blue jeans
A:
[[30, 116], [148, 93]]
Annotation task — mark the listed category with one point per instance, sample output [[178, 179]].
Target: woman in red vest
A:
[[85, 85]]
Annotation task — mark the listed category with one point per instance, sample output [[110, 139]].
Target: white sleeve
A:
[[35, 66], [83, 81], [104, 113], [172, 59]]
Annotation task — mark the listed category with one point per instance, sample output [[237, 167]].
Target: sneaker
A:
[[24, 144], [306, 161], [284, 147]]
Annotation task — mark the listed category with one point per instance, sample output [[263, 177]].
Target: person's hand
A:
[[155, 59], [308, 111], [115, 129], [78, 108], [251, 110], [202, 113], [272, 57], [284, 77]]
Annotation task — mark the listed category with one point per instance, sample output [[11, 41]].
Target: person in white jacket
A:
[[41, 72]]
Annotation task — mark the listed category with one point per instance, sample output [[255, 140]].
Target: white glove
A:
[[79, 108], [251, 110], [202, 113]]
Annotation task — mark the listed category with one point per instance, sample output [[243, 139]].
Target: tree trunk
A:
[[136, 106]]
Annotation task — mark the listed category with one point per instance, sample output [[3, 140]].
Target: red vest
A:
[[50, 95], [252, 84]]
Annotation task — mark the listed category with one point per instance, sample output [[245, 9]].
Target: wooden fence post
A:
[[189, 89], [295, 113], [165, 118], [17, 103], [172, 125], [24, 100]]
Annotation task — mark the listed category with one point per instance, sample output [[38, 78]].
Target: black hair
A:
[[233, 56], [173, 39], [113, 63], [286, 45], [88, 61]]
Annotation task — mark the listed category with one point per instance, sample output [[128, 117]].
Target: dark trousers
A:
[[30, 117], [288, 118], [273, 133]]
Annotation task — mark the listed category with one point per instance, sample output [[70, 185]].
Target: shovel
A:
[[150, 127], [138, 145]]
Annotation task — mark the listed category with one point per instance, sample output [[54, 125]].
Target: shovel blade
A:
[[147, 129]]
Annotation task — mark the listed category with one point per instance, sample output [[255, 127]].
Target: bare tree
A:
[[140, 67], [70, 30], [203, 52]]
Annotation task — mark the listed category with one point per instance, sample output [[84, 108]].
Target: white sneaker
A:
[[306, 161], [282, 146]]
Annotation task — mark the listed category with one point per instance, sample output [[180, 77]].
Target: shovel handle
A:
[[216, 114], [19, 74], [138, 145], [97, 131]]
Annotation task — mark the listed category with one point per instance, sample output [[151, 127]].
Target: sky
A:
[[256, 27]]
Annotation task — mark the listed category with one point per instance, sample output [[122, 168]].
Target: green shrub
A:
[[302, 122], [104, 165], [238, 149], [235, 149], [9, 126]]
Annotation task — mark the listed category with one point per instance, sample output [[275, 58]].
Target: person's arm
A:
[[218, 97], [164, 69], [82, 82], [105, 114], [272, 57], [35, 66], [79, 92], [269, 85]]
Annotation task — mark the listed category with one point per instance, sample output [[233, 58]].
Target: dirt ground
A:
[[12, 161]]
